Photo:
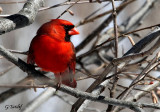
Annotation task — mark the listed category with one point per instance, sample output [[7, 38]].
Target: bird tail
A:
[[72, 84], [67, 78]]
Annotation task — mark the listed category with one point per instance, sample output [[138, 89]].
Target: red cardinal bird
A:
[[52, 50]]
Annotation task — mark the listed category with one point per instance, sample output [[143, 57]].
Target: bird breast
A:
[[56, 54]]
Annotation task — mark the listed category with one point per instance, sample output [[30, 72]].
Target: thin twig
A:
[[67, 9], [8, 2], [115, 79], [104, 14], [39, 100], [98, 30], [7, 70], [23, 86], [68, 3], [18, 52]]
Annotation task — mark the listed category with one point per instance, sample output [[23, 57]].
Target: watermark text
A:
[[18, 106]]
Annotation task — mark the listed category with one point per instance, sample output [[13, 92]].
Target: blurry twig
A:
[[18, 52], [67, 9], [140, 94], [93, 13], [87, 20], [69, 3], [148, 27], [14, 2], [97, 30], [124, 94], [154, 97], [143, 73], [11, 92], [134, 19], [96, 92], [1, 10], [130, 39], [31, 106], [67, 101], [22, 86], [7, 70], [115, 79]]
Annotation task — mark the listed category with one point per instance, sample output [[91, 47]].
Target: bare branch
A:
[[24, 17], [97, 31]]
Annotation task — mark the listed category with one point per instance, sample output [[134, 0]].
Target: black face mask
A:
[[68, 28]]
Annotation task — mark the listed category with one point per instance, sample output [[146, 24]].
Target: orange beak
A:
[[73, 31]]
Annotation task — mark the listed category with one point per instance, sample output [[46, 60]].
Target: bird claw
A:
[[31, 82], [58, 86]]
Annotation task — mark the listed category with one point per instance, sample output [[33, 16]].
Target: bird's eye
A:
[[68, 27]]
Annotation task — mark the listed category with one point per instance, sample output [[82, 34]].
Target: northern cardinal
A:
[[52, 50]]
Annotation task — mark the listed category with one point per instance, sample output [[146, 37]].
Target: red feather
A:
[[50, 51]]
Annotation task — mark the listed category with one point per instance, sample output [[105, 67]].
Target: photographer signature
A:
[[19, 106]]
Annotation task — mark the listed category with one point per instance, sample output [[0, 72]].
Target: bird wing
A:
[[30, 58], [68, 76]]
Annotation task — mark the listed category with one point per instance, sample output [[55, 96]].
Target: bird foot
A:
[[58, 86], [30, 81]]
